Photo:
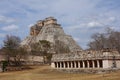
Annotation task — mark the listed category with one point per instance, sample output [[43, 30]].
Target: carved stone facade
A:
[[87, 60]]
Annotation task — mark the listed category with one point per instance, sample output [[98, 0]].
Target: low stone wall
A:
[[90, 71], [19, 68], [32, 63]]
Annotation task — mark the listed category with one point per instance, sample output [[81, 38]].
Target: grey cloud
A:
[[4, 19], [11, 27], [78, 17]]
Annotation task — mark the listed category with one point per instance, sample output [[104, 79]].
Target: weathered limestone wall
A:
[[35, 29], [35, 58], [50, 22], [52, 65], [87, 60], [106, 64], [118, 63], [86, 55], [111, 63]]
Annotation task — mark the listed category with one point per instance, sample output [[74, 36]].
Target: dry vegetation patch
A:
[[46, 73]]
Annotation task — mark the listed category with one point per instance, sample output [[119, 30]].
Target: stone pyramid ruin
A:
[[48, 29]]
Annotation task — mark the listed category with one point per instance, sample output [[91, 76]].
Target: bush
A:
[[4, 65]]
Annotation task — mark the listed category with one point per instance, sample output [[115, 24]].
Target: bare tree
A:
[[109, 39], [14, 53], [19, 56], [60, 47], [42, 48]]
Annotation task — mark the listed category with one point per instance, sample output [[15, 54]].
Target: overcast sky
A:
[[79, 18]]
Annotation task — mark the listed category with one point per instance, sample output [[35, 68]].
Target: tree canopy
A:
[[12, 49], [109, 39], [42, 48]]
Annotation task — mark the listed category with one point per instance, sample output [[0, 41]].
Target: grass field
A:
[[45, 73]]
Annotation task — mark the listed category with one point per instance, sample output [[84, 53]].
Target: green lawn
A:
[[45, 73]]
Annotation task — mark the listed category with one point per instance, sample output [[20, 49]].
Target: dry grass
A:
[[45, 73]]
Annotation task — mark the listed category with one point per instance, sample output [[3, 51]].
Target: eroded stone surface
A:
[[48, 29], [86, 55]]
